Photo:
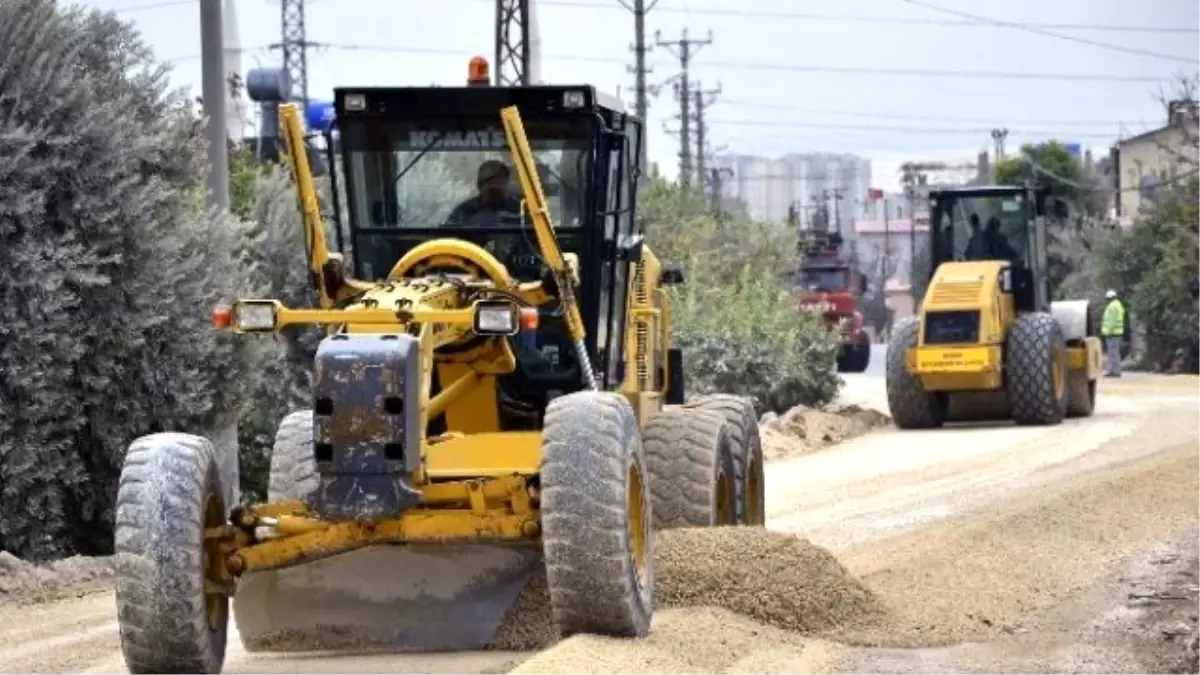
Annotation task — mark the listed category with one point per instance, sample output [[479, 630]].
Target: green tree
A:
[[1153, 264], [109, 273], [736, 317]]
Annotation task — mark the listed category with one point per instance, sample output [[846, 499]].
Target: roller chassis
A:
[[988, 343]]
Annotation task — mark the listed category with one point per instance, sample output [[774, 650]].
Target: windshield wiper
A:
[[416, 159]]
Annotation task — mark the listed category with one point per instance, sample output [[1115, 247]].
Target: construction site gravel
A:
[[980, 548]]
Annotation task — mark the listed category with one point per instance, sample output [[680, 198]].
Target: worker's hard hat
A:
[[1110, 294]]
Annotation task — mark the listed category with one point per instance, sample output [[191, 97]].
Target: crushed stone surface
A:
[[803, 430], [692, 640]]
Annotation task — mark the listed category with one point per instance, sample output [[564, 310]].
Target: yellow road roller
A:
[[987, 341], [496, 398]]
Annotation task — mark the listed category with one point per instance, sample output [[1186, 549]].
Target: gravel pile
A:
[[765, 582]]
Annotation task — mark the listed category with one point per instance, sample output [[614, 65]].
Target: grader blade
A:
[[400, 598]]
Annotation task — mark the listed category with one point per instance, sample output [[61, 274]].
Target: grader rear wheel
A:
[[747, 452], [172, 619], [689, 459], [596, 516]]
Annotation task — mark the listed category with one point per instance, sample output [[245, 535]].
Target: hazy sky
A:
[[767, 55]]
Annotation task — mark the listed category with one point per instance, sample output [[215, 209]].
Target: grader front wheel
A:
[[596, 516], [172, 619]]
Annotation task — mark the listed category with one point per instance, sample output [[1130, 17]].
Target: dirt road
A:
[[1022, 543]]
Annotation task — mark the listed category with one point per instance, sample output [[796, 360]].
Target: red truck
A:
[[828, 284]]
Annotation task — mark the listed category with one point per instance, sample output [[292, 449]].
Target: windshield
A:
[[823, 281], [981, 228], [414, 177]]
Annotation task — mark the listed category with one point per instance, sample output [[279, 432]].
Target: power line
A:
[[807, 16], [978, 131], [791, 67], [921, 118], [151, 6], [1042, 31]]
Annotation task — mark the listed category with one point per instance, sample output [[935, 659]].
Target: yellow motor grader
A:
[[496, 398], [987, 341]]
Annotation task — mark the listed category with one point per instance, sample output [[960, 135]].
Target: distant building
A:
[[1143, 163], [770, 187]]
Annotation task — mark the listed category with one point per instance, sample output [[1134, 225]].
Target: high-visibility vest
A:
[[1112, 323]]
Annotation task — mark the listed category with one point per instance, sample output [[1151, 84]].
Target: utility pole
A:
[[640, 70], [684, 49], [704, 99], [214, 89], [998, 138], [718, 176], [836, 194]]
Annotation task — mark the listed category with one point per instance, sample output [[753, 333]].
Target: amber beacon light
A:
[[478, 72]]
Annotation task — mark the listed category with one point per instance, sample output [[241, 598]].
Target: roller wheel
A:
[[293, 476], [747, 453], [1081, 395], [689, 460], [170, 620], [910, 405], [1035, 372], [596, 517]]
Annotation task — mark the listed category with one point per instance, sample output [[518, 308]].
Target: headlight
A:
[[495, 318], [254, 316], [573, 99]]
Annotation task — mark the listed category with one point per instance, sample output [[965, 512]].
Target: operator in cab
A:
[[495, 200]]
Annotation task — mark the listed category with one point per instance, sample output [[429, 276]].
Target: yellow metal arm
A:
[[284, 316], [329, 291], [535, 201]]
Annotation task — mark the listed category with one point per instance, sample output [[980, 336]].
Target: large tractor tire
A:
[[689, 460], [293, 466], [596, 517], [1035, 370], [747, 453], [910, 405], [293, 476], [170, 620]]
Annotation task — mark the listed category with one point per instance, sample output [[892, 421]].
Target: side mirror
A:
[[671, 274], [629, 249]]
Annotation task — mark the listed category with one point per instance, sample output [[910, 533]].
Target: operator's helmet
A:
[[1110, 294]]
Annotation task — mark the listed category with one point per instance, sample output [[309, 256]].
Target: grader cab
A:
[[496, 399], [987, 341]]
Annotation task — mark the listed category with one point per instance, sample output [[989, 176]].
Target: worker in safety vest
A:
[[1112, 329]]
